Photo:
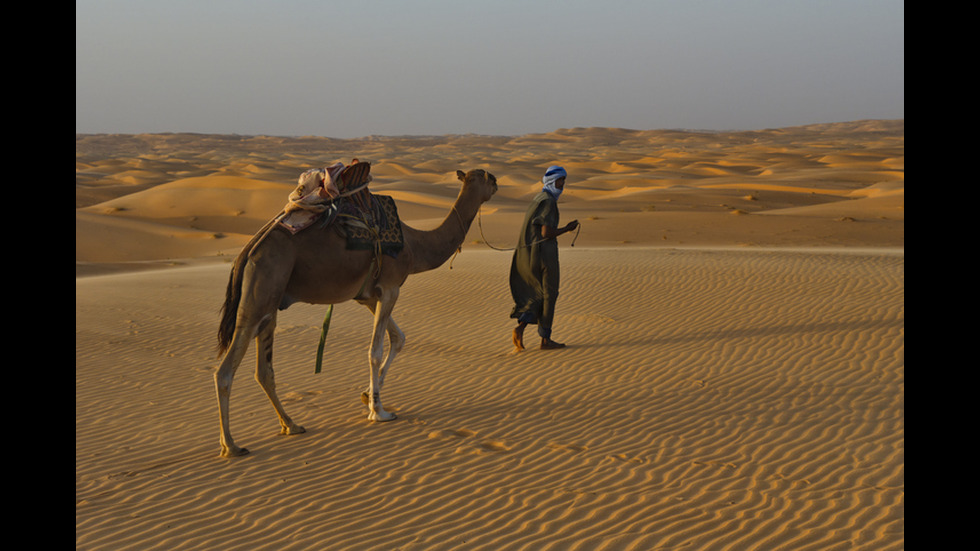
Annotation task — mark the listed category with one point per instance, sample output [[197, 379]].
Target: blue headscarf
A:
[[550, 177]]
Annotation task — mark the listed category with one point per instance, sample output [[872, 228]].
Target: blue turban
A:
[[553, 174]]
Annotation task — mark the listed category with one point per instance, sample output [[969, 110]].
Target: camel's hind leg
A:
[[266, 377], [223, 378]]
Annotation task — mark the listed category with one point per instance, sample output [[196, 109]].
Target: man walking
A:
[[534, 270]]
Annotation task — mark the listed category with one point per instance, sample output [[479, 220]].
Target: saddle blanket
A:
[[299, 219], [369, 222]]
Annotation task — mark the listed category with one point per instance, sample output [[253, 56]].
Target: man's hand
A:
[[549, 232]]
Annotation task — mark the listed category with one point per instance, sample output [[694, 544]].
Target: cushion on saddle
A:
[[339, 193], [318, 190]]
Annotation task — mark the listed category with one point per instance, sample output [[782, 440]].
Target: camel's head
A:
[[479, 179]]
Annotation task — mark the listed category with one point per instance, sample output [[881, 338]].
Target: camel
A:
[[277, 269]]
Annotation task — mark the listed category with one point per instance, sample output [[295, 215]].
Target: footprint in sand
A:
[[450, 434], [495, 446], [626, 459], [485, 446], [296, 396]]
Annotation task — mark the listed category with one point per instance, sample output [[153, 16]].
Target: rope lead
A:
[[535, 242]]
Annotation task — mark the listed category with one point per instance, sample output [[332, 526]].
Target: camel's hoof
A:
[[382, 417], [295, 429], [234, 452]]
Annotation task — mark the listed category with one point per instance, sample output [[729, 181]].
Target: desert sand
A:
[[734, 378]]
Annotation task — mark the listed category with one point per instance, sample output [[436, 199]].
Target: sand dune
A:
[[734, 308], [630, 182]]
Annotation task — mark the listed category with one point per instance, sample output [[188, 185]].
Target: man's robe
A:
[[534, 271]]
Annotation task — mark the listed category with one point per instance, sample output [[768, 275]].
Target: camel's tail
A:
[[229, 310], [233, 293]]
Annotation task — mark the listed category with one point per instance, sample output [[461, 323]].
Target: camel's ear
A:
[[461, 175]]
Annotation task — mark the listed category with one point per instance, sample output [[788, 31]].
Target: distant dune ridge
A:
[[733, 305], [206, 194]]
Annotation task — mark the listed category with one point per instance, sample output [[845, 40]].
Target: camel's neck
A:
[[433, 248]]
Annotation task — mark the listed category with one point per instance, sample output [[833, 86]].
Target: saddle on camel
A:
[[338, 195]]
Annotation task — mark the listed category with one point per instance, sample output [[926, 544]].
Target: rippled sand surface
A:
[[734, 376]]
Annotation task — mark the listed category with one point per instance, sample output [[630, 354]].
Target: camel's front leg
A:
[[266, 376], [396, 341], [378, 363]]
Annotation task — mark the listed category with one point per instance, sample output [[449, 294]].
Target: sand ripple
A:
[[709, 399]]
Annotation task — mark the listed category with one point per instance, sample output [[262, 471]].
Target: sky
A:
[[354, 68]]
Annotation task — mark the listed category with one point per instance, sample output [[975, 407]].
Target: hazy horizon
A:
[[436, 67]]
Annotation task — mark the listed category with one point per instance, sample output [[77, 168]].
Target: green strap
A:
[[326, 320], [323, 339]]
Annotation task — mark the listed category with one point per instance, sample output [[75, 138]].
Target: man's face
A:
[[560, 183]]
